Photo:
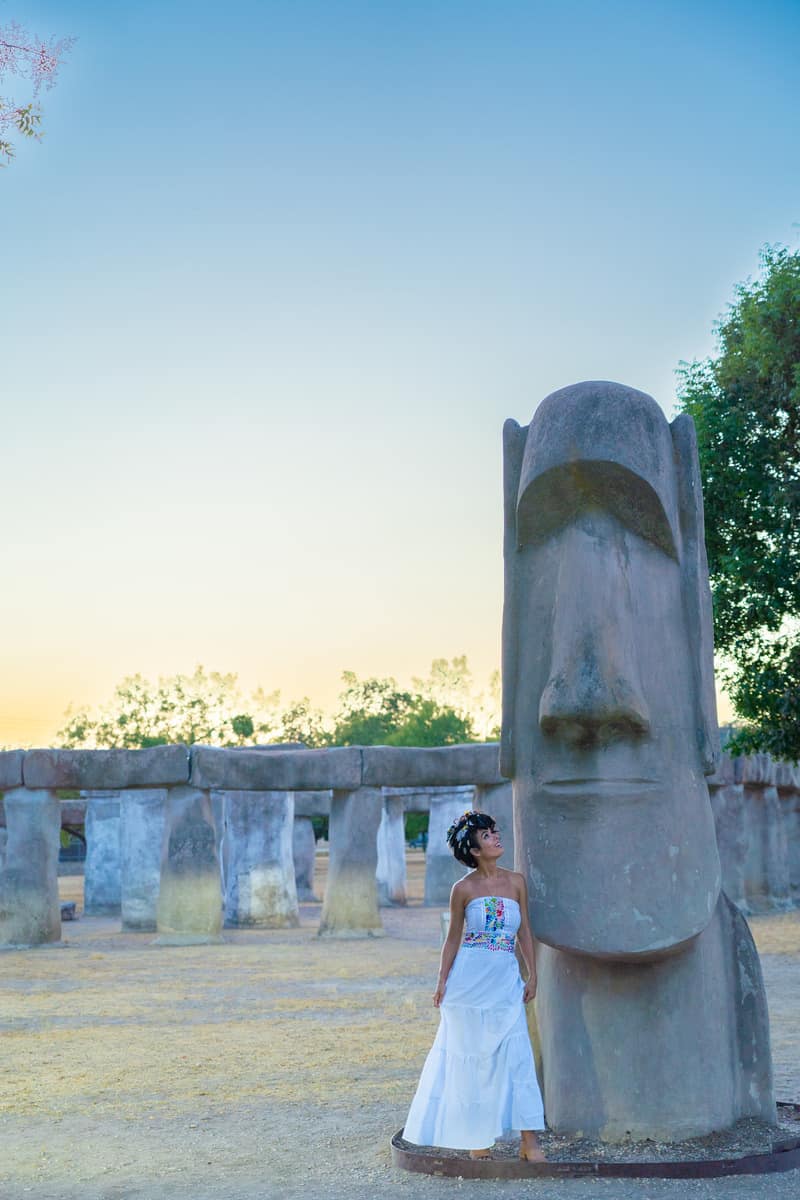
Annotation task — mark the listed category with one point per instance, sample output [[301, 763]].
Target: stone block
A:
[[390, 873], [30, 912], [280, 770], [350, 908], [259, 879], [142, 816], [312, 804], [442, 869], [190, 897], [438, 766], [498, 801], [304, 851], [157, 766], [11, 769], [102, 888]]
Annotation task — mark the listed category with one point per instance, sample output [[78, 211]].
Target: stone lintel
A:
[[11, 769], [157, 766], [280, 770], [438, 766]]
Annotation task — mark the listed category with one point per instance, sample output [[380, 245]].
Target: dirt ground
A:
[[274, 1065]]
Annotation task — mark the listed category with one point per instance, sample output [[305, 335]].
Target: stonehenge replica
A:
[[651, 1010], [642, 844]]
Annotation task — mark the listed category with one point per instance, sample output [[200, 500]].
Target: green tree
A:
[[375, 712], [745, 402], [203, 707]]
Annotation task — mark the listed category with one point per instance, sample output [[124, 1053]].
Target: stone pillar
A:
[[304, 852], [391, 873], [727, 804], [766, 864], [351, 895], [441, 868], [102, 889], [190, 898], [3, 839], [497, 800], [30, 912], [260, 884], [787, 781], [141, 833]]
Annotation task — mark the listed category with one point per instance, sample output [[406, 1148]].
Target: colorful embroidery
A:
[[495, 913], [492, 941]]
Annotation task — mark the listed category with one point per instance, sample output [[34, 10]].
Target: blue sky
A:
[[279, 271]]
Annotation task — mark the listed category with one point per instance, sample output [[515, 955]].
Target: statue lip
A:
[[600, 783]]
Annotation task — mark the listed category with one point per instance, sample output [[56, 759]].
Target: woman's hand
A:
[[437, 995], [530, 989]]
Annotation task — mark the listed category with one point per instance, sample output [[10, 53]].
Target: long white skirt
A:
[[479, 1080]]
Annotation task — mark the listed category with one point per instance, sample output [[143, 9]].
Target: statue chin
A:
[[628, 878]]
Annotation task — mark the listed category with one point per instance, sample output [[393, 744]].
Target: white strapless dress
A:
[[479, 1080]]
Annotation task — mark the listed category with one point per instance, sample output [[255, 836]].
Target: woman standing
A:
[[479, 1080]]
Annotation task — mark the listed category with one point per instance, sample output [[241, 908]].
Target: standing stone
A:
[[497, 800], [727, 804], [304, 853], [350, 908], [30, 912], [218, 811], [260, 883], [3, 839], [652, 1011], [190, 899], [766, 864], [142, 817], [391, 872], [102, 887], [442, 869], [787, 781]]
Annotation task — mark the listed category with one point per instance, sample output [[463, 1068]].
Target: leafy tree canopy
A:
[[374, 712], [745, 402]]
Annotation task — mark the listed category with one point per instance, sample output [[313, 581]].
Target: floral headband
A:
[[460, 830]]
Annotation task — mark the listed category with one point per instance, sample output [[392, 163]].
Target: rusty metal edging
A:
[[784, 1156]]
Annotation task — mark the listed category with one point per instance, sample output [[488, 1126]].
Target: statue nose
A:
[[592, 699]]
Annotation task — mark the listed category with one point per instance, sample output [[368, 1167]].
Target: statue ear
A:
[[514, 437], [696, 590]]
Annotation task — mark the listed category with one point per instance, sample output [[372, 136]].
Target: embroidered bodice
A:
[[491, 922]]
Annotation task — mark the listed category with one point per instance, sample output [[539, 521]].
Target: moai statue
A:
[[651, 1007]]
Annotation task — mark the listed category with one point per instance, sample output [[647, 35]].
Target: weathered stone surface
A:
[[727, 805], [498, 801], [142, 816], [190, 898], [304, 851], [312, 804], [787, 781], [102, 887], [11, 769], [439, 766], [350, 908], [390, 874], [3, 839], [442, 869], [259, 878], [766, 865], [280, 770], [609, 727], [29, 906], [158, 766], [593, 1015]]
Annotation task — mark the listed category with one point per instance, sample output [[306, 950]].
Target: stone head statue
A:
[[609, 716]]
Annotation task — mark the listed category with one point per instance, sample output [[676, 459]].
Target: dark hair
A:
[[461, 836]]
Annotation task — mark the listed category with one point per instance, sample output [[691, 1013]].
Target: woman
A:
[[479, 1080]]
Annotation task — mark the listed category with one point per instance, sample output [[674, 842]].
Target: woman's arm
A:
[[451, 942], [525, 940]]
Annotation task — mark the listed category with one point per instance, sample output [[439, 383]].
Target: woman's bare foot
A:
[[529, 1148], [480, 1153]]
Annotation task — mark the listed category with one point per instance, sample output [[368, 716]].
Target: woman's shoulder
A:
[[516, 884]]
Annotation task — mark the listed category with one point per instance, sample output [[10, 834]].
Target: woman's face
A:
[[489, 847]]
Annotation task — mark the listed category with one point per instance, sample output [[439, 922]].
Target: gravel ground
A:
[[274, 1065]]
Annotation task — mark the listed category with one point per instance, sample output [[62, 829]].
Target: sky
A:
[[277, 274]]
